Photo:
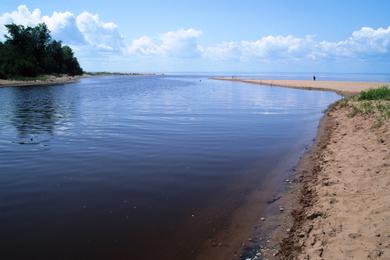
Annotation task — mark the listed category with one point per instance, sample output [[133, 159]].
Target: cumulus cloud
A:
[[92, 38], [103, 35], [264, 48], [64, 27], [83, 29], [181, 43], [364, 42], [20, 16]]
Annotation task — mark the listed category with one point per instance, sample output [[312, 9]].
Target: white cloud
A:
[[64, 27], [362, 43], [103, 35], [21, 16], [92, 39], [83, 29], [268, 47], [365, 42], [180, 44]]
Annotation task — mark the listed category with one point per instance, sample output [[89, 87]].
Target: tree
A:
[[29, 51], [54, 58], [71, 65]]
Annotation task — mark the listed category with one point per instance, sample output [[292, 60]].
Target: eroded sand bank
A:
[[344, 210]]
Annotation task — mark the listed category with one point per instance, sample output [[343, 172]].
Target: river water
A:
[[139, 167]]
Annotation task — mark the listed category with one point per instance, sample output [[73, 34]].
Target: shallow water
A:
[[138, 167]]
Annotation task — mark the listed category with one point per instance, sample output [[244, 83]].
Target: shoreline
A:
[[50, 81], [64, 79], [244, 229], [345, 88], [342, 200], [281, 223], [324, 216]]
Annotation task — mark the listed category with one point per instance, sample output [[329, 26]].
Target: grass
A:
[[373, 102], [382, 93]]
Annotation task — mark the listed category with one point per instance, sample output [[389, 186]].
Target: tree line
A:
[[31, 51]]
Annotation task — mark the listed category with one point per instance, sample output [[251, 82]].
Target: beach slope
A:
[[344, 205]]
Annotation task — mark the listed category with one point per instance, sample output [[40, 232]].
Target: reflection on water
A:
[[33, 116], [35, 113], [118, 166]]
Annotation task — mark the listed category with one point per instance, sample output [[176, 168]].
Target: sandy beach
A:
[[50, 80], [339, 207], [65, 79], [341, 87], [344, 199]]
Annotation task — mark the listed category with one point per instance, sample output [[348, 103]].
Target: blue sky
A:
[[239, 36]]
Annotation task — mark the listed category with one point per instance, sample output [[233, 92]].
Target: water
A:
[[139, 167]]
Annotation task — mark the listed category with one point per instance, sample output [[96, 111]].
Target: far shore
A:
[[46, 81], [341, 87], [64, 79]]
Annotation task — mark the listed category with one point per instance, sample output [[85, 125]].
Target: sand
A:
[[339, 207], [342, 87], [64, 79], [344, 206], [51, 80]]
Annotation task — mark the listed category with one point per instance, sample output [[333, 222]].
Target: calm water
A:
[[136, 168]]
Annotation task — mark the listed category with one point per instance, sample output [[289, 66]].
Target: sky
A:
[[246, 36]]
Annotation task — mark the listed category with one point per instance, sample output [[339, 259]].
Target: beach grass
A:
[[373, 102], [382, 93]]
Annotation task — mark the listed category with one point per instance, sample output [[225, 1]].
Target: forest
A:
[[31, 51]]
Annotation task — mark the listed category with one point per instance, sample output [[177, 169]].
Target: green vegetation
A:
[[30, 51], [382, 93], [373, 102]]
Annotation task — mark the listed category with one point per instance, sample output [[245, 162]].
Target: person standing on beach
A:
[[314, 77]]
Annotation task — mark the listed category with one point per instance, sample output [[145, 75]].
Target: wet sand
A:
[[341, 87], [339, 207], [344, 198], [248, 227]]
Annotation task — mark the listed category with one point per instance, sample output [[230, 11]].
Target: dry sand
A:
[[51, 80], [342, 87], [340, 208], [344, 210]]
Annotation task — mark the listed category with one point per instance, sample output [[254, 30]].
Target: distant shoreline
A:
[[340, 87], [64, 79], [50, 80]]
